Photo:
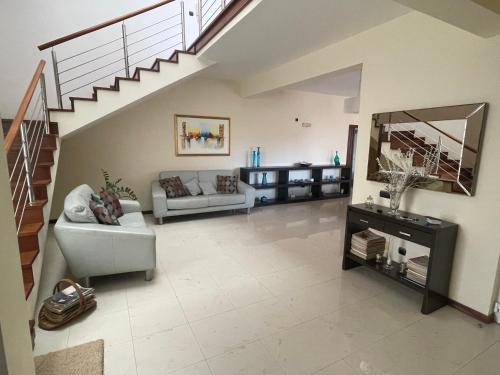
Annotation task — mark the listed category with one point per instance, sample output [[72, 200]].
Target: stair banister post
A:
[[200, 16], [27, 161], [46, 114], [56, 78], [183, 26], [125, 50], [438, 154]]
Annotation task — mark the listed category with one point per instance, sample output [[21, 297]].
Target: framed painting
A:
[[202, 135]]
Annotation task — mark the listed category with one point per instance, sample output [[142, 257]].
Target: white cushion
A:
[[76, 205], [207, 188], [132, 220], [225, 199], [193, 187], [187, 203]]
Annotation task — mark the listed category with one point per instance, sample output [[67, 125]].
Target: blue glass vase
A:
[[258, 157], [264, 178], [254, 159]]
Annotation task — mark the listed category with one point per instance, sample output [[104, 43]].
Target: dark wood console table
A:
[[439, 238]]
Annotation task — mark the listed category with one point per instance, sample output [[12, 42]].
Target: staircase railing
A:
[[208, 10], [88, 63], [23, 143], [410, 143]]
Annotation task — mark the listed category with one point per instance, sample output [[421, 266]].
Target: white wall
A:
[[416, 61], [13, 307], [139, 142], [26, 24]]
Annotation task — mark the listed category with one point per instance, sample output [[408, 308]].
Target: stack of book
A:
[[367, 244], [64, 303], [417, 269]]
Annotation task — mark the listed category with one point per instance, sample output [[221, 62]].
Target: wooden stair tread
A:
[[28, 287], [38, 203], [42, 182], [29, 229], [28, 257]]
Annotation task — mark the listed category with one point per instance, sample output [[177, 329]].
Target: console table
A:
[[440, 239], [283, 183]]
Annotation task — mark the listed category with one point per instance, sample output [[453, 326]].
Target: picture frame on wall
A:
[[202, 135]]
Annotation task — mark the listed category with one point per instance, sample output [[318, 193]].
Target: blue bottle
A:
[[258, 157], [264, 178], [254, 159]]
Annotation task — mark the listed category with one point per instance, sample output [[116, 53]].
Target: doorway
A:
[[352, 139]]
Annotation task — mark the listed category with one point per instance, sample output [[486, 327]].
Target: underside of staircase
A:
[[33, 218], [105, 101], [449, 169]]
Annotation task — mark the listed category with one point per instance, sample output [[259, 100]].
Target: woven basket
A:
[[85, 306]]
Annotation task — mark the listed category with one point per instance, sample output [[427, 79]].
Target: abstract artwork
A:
[[202, 135]]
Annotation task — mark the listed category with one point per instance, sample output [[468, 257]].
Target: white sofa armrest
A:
[[129, 206], [159, 200], [249, 193]]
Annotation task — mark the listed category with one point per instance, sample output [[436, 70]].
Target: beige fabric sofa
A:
[[163, 207]]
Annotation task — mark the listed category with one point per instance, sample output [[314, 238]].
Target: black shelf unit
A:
[[283, 182], [440, 239]]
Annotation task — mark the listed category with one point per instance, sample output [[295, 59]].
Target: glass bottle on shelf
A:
[[264, 178], [336, 159], [258, 157]]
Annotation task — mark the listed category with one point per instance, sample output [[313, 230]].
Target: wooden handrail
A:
[[442, 132], [21, 112], [102, 25]]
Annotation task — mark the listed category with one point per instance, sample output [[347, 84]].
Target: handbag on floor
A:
[[65, 304]]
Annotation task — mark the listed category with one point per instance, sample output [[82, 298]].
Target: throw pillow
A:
[[112, 203], [193, 187], [227, 184], [76, 205], [102, 214], [173, 186], [207, 188]]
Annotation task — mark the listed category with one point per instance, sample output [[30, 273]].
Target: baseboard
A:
[[487, 319]]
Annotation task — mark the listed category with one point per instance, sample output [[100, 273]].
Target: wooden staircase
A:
[[449, 169], [33, 218]]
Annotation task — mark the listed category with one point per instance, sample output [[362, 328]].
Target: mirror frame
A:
[[476, 112]]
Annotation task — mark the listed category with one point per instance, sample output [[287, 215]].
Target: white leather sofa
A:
[[93, 249], [163, 207]]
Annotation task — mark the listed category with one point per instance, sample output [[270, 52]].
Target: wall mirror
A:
[[455, 132]]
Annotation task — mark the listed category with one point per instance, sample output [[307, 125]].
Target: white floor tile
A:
[[155, 316], [111, 327], [338, 368], [166, 351], [249, 359], [204, 303], [119, 359]]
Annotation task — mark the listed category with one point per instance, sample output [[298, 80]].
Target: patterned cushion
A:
[[227, 184], [102, 214], [173, 186], [111, 202]]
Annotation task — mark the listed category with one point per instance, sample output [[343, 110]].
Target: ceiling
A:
[[277, 31], [480, 17], [344, 82]]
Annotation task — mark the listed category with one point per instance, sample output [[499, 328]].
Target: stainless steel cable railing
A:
[[439, 168], [208, 10], [23, 144], [87, 65]]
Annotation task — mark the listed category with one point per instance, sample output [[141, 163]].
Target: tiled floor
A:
[[265, 294]]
